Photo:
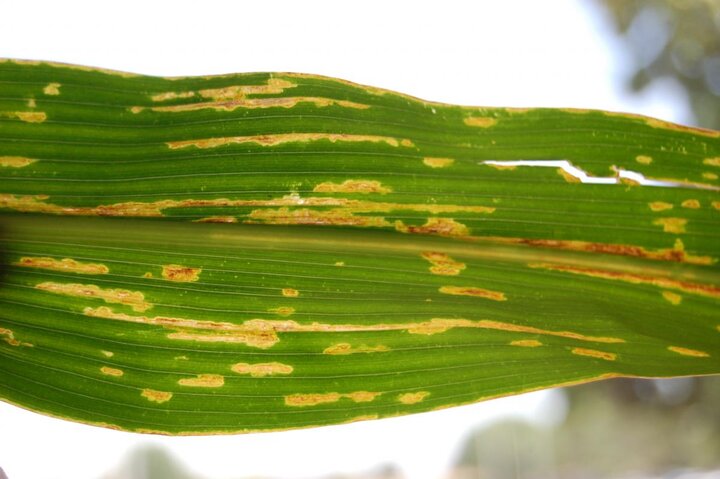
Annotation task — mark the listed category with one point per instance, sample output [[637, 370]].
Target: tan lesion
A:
[[275, 139], [261, 370], [67, 265], [593, 353], [314, 399], [8, 336], [180, 273], [412, 398], [134, 299], [442, 264], [341, 349], [203, 381], [688, 352], [156, 396], [353, 186], [474, 292], [672, 225]]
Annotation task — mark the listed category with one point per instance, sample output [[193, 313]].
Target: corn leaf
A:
[[269, 251]]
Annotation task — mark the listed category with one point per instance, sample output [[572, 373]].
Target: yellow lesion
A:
[[108, 371], [712, 161], [282, 310], [107, 354], [180, 273], [217, 219], [526, 343], [290, 292], [134, 299], [688, 352], [660, 206], [9, 337], [254, 103], [635, 278], [473, 291], [709, 175], [260, 370], [156, 396], [15, 161], [412, 398], [342, 349], [691, 203], [567, 176], [644, 159], [672, 225], [274, 139], [26, 116], [436, 226], [592, 353], [203, 381], [314, 399], [263, 333], [480, 121], [273, 86], [443, 264], [66, 265], [346, 206], [353, 186], [433, 162], [716, 205], [52, 89], [672, 298]]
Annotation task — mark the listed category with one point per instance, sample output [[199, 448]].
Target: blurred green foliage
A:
[[677, 39]]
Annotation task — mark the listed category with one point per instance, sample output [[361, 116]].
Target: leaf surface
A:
[[377, 256]]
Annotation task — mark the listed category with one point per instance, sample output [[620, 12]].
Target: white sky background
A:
[[494, 53]]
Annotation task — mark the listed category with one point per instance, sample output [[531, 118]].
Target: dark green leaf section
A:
[[377, 265], [373, 299]]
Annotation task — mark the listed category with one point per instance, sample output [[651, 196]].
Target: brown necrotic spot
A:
[[67, 265], [341, 349], [111, 371], [433, 162], [134, 299], [15, 161], [435, 226], [594, 354], [480, 121], [306, 216], [260, 370], [660, 206], [443, 264], [688, 352], [203, 381], [179, 273], [473, 291], [290, 292], [412, 398], [352, 186], [156, 396], [691, 204], [282, 138], [526, 343], [635, 278]]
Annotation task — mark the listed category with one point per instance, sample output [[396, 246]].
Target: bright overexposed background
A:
[[558, 53]]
